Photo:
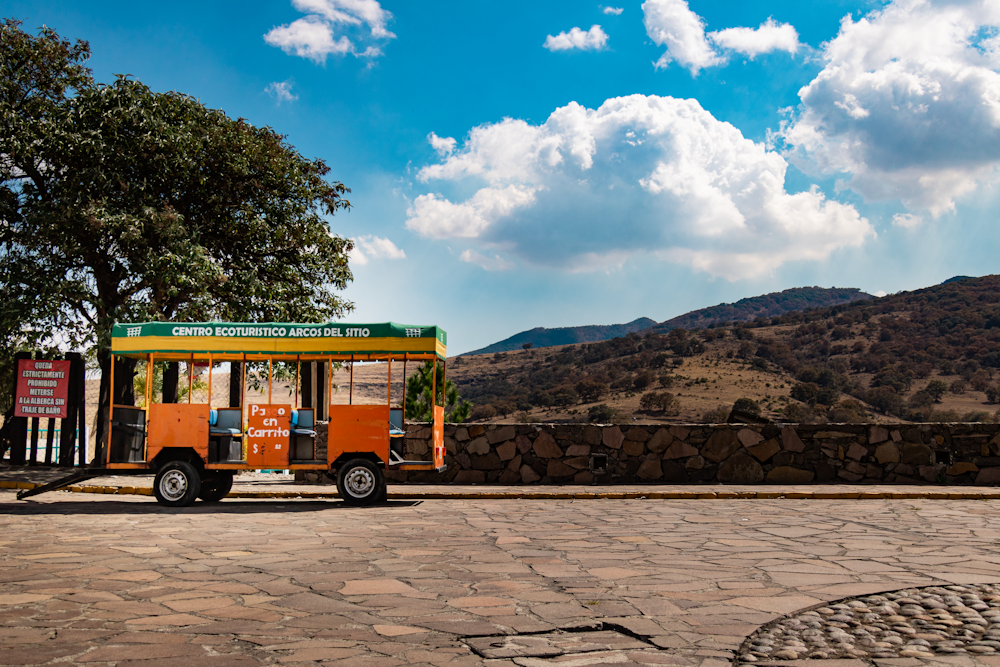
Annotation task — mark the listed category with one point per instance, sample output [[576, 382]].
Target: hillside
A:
[[931, 354], [542, 337], [766, 305]]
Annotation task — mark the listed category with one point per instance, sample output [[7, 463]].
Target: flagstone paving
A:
[[118, 580]]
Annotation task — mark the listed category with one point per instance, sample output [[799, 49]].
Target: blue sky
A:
[[513, 166]]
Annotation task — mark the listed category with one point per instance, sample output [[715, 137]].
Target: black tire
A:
[[360, 482], [177, 484], [216, 487]]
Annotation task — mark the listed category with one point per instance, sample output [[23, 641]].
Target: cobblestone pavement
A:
[[90, 579]]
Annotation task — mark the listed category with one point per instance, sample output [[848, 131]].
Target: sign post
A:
[[42, 388]]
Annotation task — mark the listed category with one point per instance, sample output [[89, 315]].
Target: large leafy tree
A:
[[123, 204]]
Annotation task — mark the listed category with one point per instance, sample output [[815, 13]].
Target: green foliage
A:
[[659, 401], [747, 405], [121, 204], [419, 403], [718, 415], [199, 383], [605, 414]]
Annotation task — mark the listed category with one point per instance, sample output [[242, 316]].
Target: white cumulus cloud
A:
[[315, 36], [495, 263], [671, 23], [443, 145], [641, 174], [374, 247], [613, 11], [907, 220], [908, 103], [281, 91], [590, 40], [752, 42]]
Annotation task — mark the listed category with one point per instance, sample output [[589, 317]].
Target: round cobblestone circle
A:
[[911, 623]]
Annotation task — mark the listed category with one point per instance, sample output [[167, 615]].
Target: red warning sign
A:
[[42, 388]]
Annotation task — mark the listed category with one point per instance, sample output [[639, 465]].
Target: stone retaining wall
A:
[[513, 454]]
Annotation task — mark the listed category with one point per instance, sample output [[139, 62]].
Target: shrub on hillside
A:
[[747, 405], [717, 416], [659, 401]]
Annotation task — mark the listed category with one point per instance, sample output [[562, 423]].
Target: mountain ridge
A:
[[543, 337]]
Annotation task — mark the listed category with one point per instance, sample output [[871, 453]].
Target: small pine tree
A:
[[418, 396]]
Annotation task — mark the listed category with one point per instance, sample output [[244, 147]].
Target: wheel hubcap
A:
[[359, 482], [174, 485]]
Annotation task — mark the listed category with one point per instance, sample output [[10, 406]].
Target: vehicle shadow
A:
[[110, 505]]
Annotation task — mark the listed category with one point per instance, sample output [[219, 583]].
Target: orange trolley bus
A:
[[194, 450]]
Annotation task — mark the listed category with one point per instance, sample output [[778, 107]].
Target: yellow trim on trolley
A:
[[217, 345]]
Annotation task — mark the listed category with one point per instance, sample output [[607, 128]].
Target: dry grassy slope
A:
[[727, 380]]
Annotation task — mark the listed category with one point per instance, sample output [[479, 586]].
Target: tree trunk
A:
[[124, 394], [170, 377]]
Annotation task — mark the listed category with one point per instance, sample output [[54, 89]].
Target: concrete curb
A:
[[520, 494]]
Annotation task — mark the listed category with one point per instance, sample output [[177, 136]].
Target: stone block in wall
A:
[[462, 434], [592, 435], [679, 450], [612, 437], [877, 434], [583, 477], [887, 452], [545, 447], [660, 441], [507, 450], [416, 447], [721, 445], [469, 477], [637, 434], [791, 441], [843, 473], [988, 477], [856, 451], [749, 438], [633, 448], [578, 462], [856, 467], [873, 471], [578, 450], [522, 443], [680, 432], [694, 463], [500, 434], [450, 445], [962, 467], [508, 477], [824, 472], [741, 468], [559, 469], [528, 475], [463, 461], [916, 454], [929, 473], [765, 450], [789, 475], [784, 458], [896, 435], [476, 430], [490, 461], [650, 470], [478, 447]]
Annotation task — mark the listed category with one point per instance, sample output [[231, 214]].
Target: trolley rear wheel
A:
[[360, 482], [177, 484]]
